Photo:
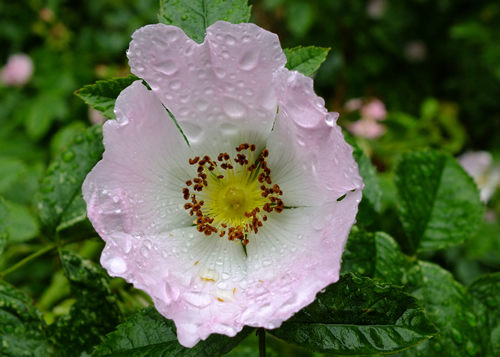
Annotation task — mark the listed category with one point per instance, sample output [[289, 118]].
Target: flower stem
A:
[[262, 342], [35, 255]]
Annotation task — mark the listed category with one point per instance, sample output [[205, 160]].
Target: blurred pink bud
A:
[[96, 116], [17, 71], [353, 104], [376, 8], [374, 110], [480, 166], [366, 128], [416, 51]]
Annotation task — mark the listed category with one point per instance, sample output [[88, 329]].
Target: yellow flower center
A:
[[232, 197]]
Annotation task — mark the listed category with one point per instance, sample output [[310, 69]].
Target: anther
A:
[[265, 153], [194, 161], [189, 183]]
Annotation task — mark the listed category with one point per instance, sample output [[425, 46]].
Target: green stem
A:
[[28, 259], [35, 255], [262, 342]]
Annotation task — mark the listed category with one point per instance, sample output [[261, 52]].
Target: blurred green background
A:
[[435, 64]]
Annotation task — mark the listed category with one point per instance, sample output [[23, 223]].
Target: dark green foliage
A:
[[94, 314], [4, 222], [194, 16], [448, 308], [21, 325], [358, 316], [485, 296], [306, 60], [149, 334], [102, 95], [438, 203], [63, 180]]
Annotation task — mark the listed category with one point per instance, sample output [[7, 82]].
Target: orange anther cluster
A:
[[253, 220]]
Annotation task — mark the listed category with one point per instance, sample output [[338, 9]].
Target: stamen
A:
[[233, 198]]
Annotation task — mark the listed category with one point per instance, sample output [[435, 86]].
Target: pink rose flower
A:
[[238, 220], [366, 128], [17, 71], [375, 109]]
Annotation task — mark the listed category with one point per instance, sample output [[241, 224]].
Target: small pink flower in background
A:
[[366, 128], [371, 112], [375, 9], [416, 51], [17, 71], [485, 172], [176, 217], [96, 117], [374, 109]]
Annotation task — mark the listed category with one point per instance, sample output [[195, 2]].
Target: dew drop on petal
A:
[[250, 60], [331, 118], [175, 84], [167, 67], [117, 265], [233, 107], [230, 40], [197, 299]]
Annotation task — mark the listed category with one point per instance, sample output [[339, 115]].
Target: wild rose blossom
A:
[[371, 112], [243, 218], [17, 71]]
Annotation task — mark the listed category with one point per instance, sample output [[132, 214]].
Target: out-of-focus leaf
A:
[[64, 177], [10, 170], [358, 316], [42, 112], [102, 95], [21, 325], [94, 314], [448, 308], [306, 60], [485, 295], [65, 136], [149, 334], [194, 16], [372, 193], [4, 223], [438, 203], [22, 223], [376, 255]]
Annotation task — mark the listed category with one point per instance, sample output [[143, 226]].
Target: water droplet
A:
[[68, 155], [331, 118], [250, 60], [220, 72], [117, 265], [416, 320], [175, 84], [225, 276], [197, 299], [172, 35], [164, 253], [456, 335], [230, 40], [184, 17], [233, 107], [144, 251], [167, 67]]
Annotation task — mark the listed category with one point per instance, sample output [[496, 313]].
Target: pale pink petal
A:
[[309, 157], [17, 71], [296, 254], [193, 279], [375, 109], [480, 166], [218, 89], [353, 104], [137, 187], [366, 128]]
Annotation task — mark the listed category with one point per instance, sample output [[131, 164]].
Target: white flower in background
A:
[[485, 172]]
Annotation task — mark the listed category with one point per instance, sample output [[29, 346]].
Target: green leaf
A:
[[194, 16], [372, 193], [150, 334], [4, 223], [21, 325], [306, 60], [448, 308], [376, 255], [22, 225], [42, 111], [64, 177], [95, 312], [438, 203], [358, 316], [102, 95], [485, 295]]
